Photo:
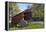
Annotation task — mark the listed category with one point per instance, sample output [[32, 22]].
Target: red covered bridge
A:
[[21, 16]]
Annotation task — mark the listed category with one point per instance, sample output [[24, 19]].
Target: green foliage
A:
[[38, 10], [13, 8], [36, 25]]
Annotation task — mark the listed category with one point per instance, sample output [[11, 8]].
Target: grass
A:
[[31, 25], [36, 25]]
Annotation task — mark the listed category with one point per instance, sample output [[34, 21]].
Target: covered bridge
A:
[[22, 17]]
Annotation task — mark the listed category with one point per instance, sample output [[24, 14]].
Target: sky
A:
[[23, 6]]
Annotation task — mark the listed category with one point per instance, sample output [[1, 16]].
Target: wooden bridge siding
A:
[[17, 19]]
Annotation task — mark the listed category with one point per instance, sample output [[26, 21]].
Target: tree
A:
[[38, 10], [13, 8]]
